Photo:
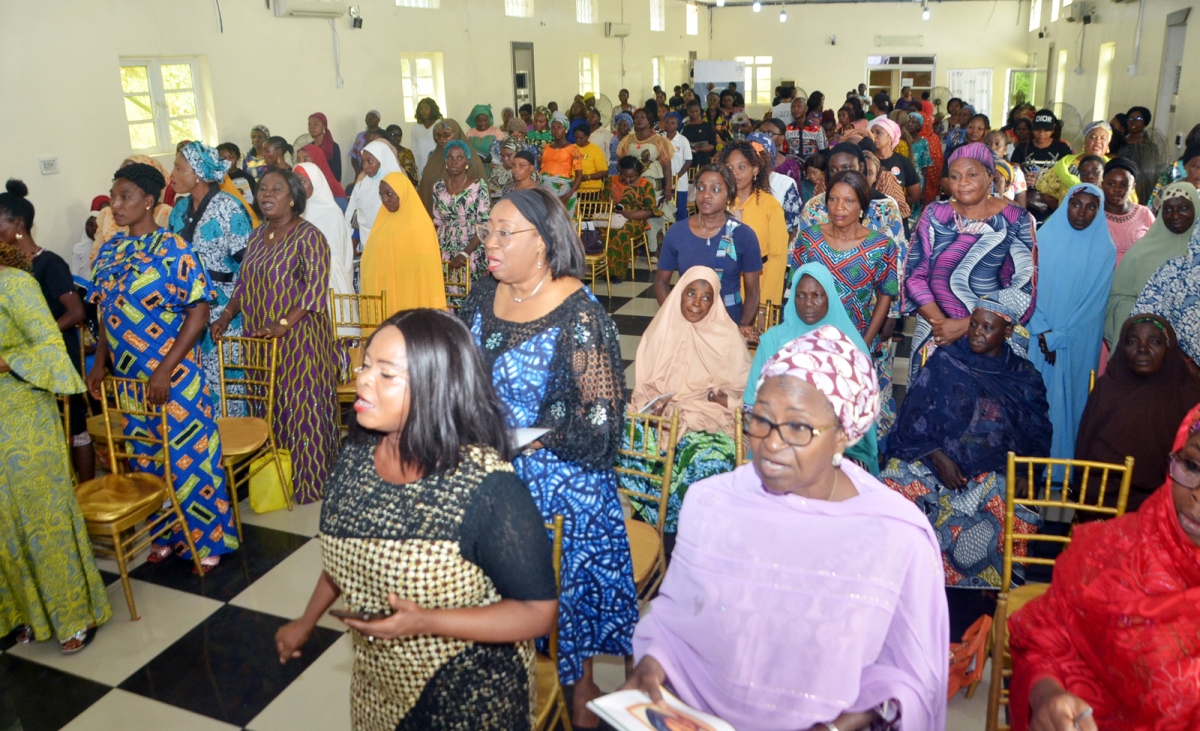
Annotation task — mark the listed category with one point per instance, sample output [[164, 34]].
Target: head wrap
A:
[[99, 202], [481, 109], [560, 118], [978, 152], [578, 124], [375, 112], [892, 128], [678, 117], [1044, 119], [622, 116], [1006, 313], [848, 148], [317, 155], [512, 143], [261, 128], [1191, 152], [1098, 124], [527, 156], [460, 145], [917, 116], [588, 96], [516, 124], [544, 111], [764, 141], [832, 363], [1005, 170], [1123, 163], [205, 161], [326, 139]]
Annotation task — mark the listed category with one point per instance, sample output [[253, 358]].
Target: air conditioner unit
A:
[[1075, 12], [311, 8], [617, 30]]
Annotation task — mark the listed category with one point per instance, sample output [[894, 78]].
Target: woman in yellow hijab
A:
[[402, 257]]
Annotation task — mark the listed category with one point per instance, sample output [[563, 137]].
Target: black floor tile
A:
[[262, 550], [226, 667], [632, 324], [109, 578], [612, 304], [8, 641], [34, 697]]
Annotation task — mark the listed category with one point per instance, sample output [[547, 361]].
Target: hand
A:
[[158, 387], [219, 326], [274, 330], [647, 677], [949, 330], [406, 619], [889, 328], [661, 406], [749, 333], [947, 470], [95, 376], [290, 638], [719, 397], [1049, 354], [1054, 709], [460, 260]]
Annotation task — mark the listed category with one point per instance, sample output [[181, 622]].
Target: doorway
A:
[[522, 64], [1172, 67]]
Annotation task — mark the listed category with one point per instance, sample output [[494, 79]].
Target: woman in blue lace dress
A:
[[555, 359]]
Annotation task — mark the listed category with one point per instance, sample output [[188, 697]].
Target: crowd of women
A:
[[1026, 267]]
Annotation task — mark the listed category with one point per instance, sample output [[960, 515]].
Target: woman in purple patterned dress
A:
[[282, 293]]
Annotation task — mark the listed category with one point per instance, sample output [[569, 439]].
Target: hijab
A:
[[317, 155], [693, 359], [435, 167], [327, 139], [322, 211], [1153, 250], [365, 200], [410, 223]]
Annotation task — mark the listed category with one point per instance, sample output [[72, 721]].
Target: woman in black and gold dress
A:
[[425, 521]]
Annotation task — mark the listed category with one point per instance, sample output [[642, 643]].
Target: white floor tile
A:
[[303, 520], [318, 699], [631, 289], [284, 591], [609, 672], [646, 306], [121, 711], [629, 379], [629, 346], [122, 646]]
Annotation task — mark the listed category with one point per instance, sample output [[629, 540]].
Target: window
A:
[[589, 73], [1023, 86], [162, 102], [1108, 51], [585, 11], [758, 79], [423, 4], [420, 77], [892, 73], [518, 8], [658, 15], [1035, 14], [1054, 9], [1060, 82], [693, 19], [656, 70]]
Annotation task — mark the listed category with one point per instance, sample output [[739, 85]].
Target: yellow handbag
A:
[[266, 492]]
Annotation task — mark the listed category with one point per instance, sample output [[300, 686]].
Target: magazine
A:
[[650, 404], [632, 710]]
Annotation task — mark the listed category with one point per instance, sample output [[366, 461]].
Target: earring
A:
[[837, 459], [147, 208], [19, 237], [539, 263]]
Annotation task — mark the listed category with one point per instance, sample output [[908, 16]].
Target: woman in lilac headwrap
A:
[[775, 614], [963, 249]]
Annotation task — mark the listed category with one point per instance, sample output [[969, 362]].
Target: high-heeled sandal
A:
[[209, 563], [76, 642], [25, 634], [158, 554]]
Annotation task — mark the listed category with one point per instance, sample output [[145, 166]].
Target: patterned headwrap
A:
[[978, 152], [261, 128], [560, 118], [206, 161], [1005, 170], [1100, 124], [1005, 312], [1174, 192], [892, 128], [917, 116], [466, 149], [516, 124], [544, 111], [623, 115], [512, 143], [832, 363], [763, 142]]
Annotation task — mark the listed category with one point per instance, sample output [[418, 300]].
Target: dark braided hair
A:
[[762, 181], [14, 202], [146, 177]]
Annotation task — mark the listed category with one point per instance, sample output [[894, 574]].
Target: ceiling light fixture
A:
[[757, 6], [924, 9], [720, 3], [783, 15]]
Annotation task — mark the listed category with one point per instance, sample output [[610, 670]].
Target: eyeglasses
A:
[[1137, 118], [795, 433], [1184, 472], [504, 237]]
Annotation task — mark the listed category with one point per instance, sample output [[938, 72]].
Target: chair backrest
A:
[[769, 315], [658, 439], [353, 318], [125, 401], [556, 526], [1047, 493], [249, 367], [739, 437], [598, 212], [458, 284]]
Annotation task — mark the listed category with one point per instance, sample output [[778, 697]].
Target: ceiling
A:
[[748, 3]]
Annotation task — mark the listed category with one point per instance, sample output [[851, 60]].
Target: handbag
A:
[[266, 491]]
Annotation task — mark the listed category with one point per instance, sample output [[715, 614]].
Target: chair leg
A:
[[123, 569], [998, 644], [231, 487], [187, 536], [288, 488]]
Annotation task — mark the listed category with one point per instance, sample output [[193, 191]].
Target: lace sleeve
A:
[[503, 534]]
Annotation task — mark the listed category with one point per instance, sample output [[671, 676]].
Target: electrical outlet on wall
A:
[[49, 165]]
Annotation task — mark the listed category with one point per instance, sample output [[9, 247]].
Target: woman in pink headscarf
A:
[[318, 128], [803, 593]]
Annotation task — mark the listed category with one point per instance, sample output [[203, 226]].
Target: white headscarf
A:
[[365, 199], [322, 212], [81, 254]]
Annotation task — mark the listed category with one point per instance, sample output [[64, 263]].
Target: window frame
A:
[[692, 18], [586, 11], [438, 79], [658, 16], [518, 8], [754, 68], [593, 73], [160, 116]]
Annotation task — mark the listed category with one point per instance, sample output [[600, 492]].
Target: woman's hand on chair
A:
[[647, 677], [158, 387], [1052, 708], [274, 330], [95, 377], [459, 261]]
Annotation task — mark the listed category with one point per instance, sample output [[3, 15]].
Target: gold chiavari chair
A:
[[655, 449], [458, 285], [353, 318], [551, 700], [598, 213]]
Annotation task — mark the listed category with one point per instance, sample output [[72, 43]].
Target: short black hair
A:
[[986, 122], [1088, 158], [925, 96], [396, 132], [693, 102], [146, 177], [858, 183], [564, 252], [856, 110], [231, 148], [14, 202], [817, 161], [1144, 112], [525, 108], [629, 162], [445, 414], [651, 110], [295, 187]]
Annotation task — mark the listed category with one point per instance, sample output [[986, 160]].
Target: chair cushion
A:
[[644, 545], [242, 435], [112, 497], [1022, 595]]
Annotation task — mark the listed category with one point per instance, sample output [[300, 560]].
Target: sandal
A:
[[209, 563], [158, 554], [25, 634], [78, 641]]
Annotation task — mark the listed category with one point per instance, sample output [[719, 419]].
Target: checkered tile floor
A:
[[202, 656]]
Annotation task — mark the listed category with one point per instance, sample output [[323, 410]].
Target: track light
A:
[[783, 15], [720, 3], [757, 6]]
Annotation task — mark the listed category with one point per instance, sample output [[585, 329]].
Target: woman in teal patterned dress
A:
[[153, 297], [49, 584]]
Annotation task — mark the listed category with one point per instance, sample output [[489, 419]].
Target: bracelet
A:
[[830, 726]]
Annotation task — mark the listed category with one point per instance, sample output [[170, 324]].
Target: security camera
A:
[[833, 40]]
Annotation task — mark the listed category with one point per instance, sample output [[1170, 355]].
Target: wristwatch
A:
[[283, 321]]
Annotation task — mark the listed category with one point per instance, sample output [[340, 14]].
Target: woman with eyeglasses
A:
[[555, 358], [1113, 643], [777, 613], [1141, 149]]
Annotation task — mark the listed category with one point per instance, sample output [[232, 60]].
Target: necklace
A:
[[704, 229], [519, 300], [271, 230]]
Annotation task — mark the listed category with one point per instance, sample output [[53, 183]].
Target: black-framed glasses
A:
[[1185, 472], [795, 433]]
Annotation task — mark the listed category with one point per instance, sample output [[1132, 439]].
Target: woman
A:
[[963, 249], [321, 211], [775, 613], [402, 259], [813, 303], [501, 176], [278, 154], [972, 403], [714, 239], [1065, 174], [155, 336], [1187, 167], [554, 357], [1038, 157], [1128, 221], [483, 133], [539, 133], [699, 133], [255, 164], [1112, 643], [106, 227], [654, 151], [461, 205], [1076, 259], [217, 227], [421, 489], [782, 187], [315, 155], [283, 293], [421, 138], [49, 585], [780, 163], [243, 183], [318, 128], [883, 214], [959, 118], [1166, 239], [360, 140], [593, 161], [756, 207], [1016, 189], [1141, 150], [814, 177], [635, 201], [378, 162], [562, 165], [884, 181], [623, 126], [435, 169], [408, 162], [694, 352], [905, 144], [922, 156], [1173, 292], [1146, 387]]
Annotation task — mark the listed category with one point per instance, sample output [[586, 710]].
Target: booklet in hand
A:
[[632, 710]]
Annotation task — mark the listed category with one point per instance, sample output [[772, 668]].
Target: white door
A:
[[1168, 85], [974, 86]]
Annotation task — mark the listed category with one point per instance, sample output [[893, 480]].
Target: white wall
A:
[[63, 56], [960, 34]]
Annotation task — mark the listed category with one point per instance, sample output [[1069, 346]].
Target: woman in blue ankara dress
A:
[[153, 297], [555, 359]]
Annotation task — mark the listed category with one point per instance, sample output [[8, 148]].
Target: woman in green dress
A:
[[49, 584], [636, 200]]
